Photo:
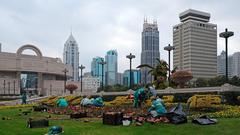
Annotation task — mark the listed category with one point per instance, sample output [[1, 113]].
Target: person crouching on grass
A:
[[158, 109]]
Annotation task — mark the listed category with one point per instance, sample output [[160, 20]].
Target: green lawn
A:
[[17, 126]]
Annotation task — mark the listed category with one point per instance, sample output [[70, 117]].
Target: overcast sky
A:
[[101, 25]]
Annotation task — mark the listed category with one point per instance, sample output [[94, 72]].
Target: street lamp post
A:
[[169, 49], [102, 63], [4, 84], [65, 79], [226, 35], [14, 83], [130, 57], [81, 68]]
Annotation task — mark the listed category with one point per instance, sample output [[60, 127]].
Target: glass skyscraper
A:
[[71, 56], [111, 67], [136, 77], [96, 68], [150, 49]]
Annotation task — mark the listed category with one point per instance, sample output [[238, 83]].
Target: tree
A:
[[159, 73], [71, 87], [235, 81], [181, 77], [201, 82], [216, 81]]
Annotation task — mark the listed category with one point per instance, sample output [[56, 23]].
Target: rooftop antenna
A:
[[155, 21], [71, 30], [145, 19], [190, 4]]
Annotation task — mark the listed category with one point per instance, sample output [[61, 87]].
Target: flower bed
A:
[[125, 104], [201, 101], [168, 98], [72, 100], [225, 111], [16, 106]]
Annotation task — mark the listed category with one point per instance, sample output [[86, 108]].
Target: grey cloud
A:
[[100, 25]]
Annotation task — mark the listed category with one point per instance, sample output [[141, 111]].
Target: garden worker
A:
[[24, 98], [86, 101], [98, 102], [153, 90], [62, 102], [157, 108], [139, 97]]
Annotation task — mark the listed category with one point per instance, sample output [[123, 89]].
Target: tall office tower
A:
[[221, 65], [150, 49], [96, 68], [71, 56], [195, 42], [236, 64], [111, 67]]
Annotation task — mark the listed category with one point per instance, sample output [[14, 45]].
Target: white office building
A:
[[91, 84], [71, 56], [195, 42], [236, 64]]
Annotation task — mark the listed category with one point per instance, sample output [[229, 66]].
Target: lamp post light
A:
[[14, 87], [4, 85], [102, 63], [65, 79], [81, 68], [169, 49], [130, 57], [226, 35]]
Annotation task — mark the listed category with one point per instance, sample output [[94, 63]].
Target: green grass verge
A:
[[17, 126]]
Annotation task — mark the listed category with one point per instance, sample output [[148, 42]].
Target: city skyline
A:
[[46, 26]]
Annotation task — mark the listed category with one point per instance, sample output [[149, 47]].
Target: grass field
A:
[[17, 126]]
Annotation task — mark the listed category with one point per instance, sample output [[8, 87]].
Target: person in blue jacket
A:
[[157, 108], [24, 98], [62, 102], [139, 97], [86, 101], [98, 102]]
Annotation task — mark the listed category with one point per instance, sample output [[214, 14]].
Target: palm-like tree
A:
[[159, 72]]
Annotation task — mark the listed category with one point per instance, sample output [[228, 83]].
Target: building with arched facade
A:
[[34, 74]]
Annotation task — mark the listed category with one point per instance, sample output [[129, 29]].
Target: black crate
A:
[[78, 115], [112, 118], [40, 108], [37, 123]]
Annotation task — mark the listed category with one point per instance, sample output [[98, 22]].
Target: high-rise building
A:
[[0, 47], [111, 67], [236, 64], [136, 77], [96, 68], [120, 78], [195, 42], [150, 49], [221, 65], [71, 56]]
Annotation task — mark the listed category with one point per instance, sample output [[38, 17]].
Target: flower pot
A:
[[126, 122]]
